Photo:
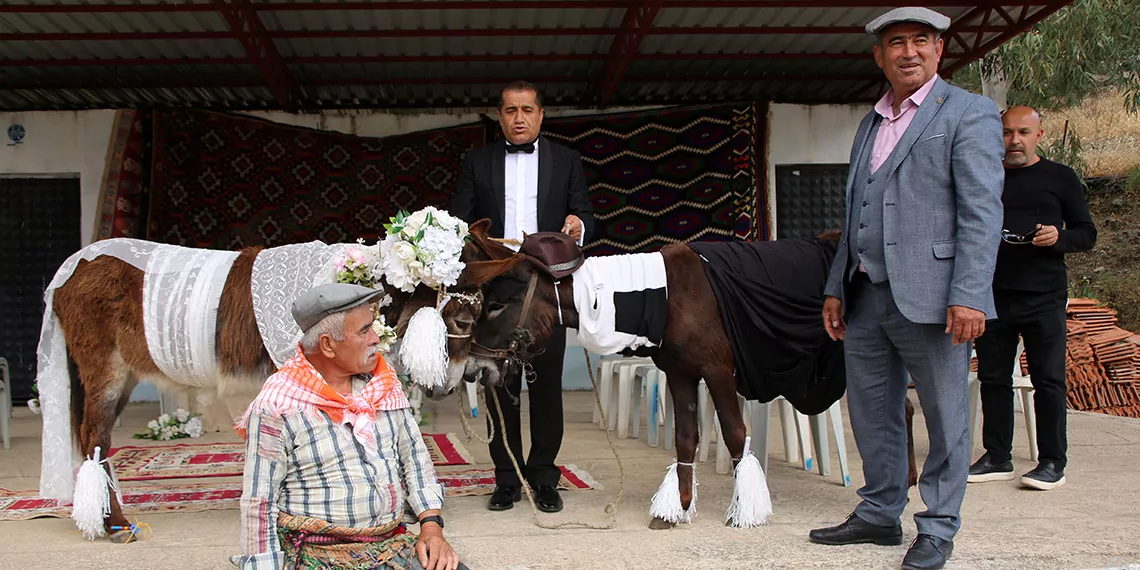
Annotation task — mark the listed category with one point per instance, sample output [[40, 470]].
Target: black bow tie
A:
[[516, 148]]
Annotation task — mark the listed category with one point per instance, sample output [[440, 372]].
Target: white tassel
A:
[[666, 503], [92, 502], [423, 349], [751, 504]]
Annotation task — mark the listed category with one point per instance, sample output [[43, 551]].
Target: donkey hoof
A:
[[120, 536], [659, 523]]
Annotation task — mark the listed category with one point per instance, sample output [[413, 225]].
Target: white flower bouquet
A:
[[181, 424], [423, 247]]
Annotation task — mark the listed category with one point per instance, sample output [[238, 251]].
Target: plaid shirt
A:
[[306, 464]]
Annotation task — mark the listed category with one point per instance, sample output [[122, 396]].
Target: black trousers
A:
[[1039, 318], [545, 420]]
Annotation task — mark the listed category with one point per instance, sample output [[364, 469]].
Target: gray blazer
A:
[[942, 209]]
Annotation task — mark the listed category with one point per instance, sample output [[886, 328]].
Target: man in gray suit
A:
[[910, 287]]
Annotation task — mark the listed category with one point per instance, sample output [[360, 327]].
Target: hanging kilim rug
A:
[[225, 181], [184, 461], [670, 175], [183, 496]]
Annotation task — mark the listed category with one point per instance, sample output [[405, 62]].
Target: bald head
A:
[[1021, 128]]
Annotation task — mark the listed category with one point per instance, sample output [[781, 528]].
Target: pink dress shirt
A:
[[893, 126]]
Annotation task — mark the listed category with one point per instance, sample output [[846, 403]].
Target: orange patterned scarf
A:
[[298, 387]]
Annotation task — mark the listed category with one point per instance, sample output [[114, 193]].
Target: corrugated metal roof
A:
[[114, 53]]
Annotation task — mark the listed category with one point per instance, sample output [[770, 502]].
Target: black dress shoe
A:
[[547, 499], [986, 469], [505, 497], [855, 530], [927, 553], [1045, 477]]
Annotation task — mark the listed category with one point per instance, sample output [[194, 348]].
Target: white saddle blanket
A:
[[617, 297]]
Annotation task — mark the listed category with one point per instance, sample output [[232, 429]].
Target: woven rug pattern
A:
[[224, 181], [186, 461], [669, 176], [142, 498]]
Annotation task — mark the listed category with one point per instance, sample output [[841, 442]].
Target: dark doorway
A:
[[39, 230], [810, 199]]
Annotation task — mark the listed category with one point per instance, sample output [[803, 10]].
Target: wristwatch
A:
[[433, 518]]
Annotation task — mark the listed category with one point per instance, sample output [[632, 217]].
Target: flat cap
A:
[[324, 300], [909, 14]]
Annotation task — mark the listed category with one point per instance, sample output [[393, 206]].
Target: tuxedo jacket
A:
[[562, 189]]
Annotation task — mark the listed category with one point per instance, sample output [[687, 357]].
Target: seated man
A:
[[332, 453]]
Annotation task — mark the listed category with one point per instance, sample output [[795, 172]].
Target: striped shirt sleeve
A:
[[423, 489], [266, 463]]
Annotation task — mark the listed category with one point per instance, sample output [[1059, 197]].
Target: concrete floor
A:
[[1093, 522]]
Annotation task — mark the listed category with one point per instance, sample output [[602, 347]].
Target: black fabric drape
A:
[[770, 297]]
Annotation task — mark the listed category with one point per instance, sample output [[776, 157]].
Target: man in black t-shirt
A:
[[1046, 216]]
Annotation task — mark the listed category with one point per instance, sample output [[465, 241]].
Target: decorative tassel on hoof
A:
[[751, 504], [423, 350], [666, 503], [92, 502]]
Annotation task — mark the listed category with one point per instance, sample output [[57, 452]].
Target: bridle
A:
[[475, 299], [516, 350]]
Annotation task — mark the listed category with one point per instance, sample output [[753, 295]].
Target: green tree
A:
[[1083, 50]]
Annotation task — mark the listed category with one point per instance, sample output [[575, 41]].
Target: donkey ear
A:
[[479, 229], [476, 273]]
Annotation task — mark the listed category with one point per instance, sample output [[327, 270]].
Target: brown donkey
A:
[[521, 307], [101, 313]]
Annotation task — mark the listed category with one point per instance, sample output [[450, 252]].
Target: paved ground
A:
[[1093, 522]]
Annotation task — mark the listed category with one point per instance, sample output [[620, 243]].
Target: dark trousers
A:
[[1039, 318], [545, 420]]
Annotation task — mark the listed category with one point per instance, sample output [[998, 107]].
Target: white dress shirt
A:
[[521, 187]]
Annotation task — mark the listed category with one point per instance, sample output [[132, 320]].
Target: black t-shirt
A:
[[1050, 194]]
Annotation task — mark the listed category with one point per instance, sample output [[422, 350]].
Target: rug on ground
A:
[[670, 176], [184, 461], [141, 498], [225, 181]]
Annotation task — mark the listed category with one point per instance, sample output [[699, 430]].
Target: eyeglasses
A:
[[1017, 239]]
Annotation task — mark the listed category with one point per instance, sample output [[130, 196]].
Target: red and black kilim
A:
[[225, 181], [669, 176]]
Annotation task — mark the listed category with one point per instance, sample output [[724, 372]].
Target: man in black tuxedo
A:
[[526, 184]]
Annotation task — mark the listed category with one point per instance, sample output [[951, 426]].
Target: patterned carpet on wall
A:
[[141, 498], [192, 460], [122, 194], [228, 181], [670, 176]]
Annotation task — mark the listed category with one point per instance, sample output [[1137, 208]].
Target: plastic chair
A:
[[1023, 385], [5, 403]]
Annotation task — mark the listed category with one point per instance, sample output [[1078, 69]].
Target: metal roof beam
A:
[[469, 58], [452, 5], [247, 83], [246, 24], [638, 20], [450, 32], [1024, 23]]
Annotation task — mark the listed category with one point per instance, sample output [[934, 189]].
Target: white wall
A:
[[809, 134], [61, 144]]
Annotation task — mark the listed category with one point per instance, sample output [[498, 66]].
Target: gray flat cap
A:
[[909, 14], [324, 300]]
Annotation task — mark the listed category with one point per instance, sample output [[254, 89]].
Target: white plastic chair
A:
[[1023, 387], [757, 416], [5, 403]]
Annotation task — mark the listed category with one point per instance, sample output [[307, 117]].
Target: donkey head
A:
[[520, 310], [460, 311]]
